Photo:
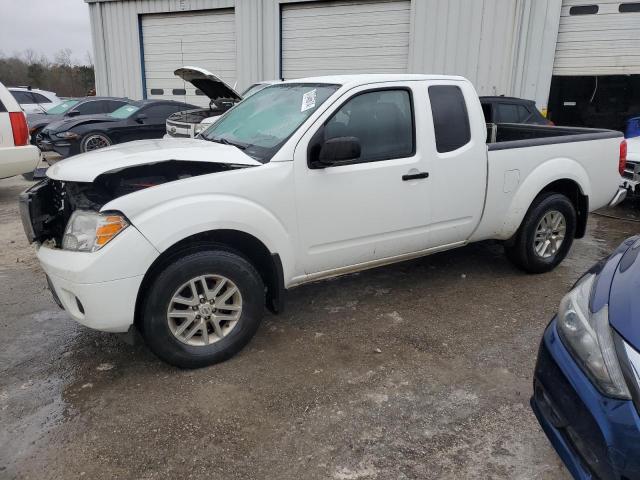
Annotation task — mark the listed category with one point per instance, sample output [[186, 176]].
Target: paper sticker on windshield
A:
[[308, 100]]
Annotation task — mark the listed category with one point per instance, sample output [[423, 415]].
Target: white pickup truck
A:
[[188, 240], [17, 155]]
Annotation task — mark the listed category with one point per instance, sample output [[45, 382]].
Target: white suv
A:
[[17, 155], [34, 100]]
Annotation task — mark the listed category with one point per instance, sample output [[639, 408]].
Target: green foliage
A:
[[60, 76]]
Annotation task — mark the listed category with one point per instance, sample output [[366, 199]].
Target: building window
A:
[[584, 10], [157, 91], [179, 91], [629, 7]]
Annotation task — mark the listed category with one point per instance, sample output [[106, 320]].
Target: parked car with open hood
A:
[[17, 156], [136, 120], [190, 239], [73, 107], [34, 100], [221, 96]]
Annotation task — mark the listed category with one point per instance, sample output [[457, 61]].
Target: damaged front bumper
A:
[[100, 289]]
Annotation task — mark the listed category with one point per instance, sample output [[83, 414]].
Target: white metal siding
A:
[[607, 43], [502, 46], [321, 38], [205, 39]]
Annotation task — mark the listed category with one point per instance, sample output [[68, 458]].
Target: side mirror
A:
[[73, 113], [141, 118], [336, 151]]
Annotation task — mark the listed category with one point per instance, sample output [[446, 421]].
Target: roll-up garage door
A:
[[204, 39], [322, 38], [598, 38]]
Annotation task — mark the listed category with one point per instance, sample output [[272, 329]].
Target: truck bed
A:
[[513, 135]]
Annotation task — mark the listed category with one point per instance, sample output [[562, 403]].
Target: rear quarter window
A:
[[450, 117]]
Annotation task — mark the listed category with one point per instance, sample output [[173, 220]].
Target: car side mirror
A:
[[73, 113], [141, 118], [337, 151]]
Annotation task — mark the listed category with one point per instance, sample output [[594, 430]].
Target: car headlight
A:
[[88, 231], [588, 337], [67, 135]]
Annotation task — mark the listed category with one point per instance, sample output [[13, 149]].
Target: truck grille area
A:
[[44, 212]]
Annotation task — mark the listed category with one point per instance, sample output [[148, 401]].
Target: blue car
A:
[[587, 378]]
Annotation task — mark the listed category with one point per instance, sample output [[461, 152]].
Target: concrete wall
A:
[[502, 46]]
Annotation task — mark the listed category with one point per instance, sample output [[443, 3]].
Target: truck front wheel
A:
[[203, 308], [545, 235]]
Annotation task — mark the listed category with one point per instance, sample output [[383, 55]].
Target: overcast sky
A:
[[45, 26]]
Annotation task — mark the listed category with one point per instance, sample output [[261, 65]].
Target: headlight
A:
[[88, 231], [588, 336], [67, 135]]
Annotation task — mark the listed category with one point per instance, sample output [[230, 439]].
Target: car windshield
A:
[[62, 107], [260, 124], [125, 111]]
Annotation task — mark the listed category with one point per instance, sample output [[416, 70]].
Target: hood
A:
[[37, 120], [68, 123], [207, 82], [624, 300], [87, 166]]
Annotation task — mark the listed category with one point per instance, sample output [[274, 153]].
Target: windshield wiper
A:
[[224, 141]]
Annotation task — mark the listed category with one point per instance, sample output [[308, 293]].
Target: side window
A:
[[23, 98], [450, 117], [40, 98], [89, 108], [512, 113], [159, 113], [381, 120]]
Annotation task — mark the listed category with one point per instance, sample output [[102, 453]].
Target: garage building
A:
[[505, 47]]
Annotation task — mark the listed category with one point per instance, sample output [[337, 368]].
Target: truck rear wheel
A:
[[203, 308], [545, 235]]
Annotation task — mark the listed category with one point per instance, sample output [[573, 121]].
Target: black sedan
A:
[[138, 120], [73, 107]]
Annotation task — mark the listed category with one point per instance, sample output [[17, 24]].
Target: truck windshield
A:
[[260, 124]]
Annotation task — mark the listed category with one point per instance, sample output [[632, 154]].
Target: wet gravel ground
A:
[[414, 371]]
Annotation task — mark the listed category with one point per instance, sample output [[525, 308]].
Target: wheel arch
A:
[[580, 201], [561, 175], [268, 265]]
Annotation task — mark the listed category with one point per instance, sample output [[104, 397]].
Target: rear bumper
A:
[[594, 435], [18, 160], [100, 289]]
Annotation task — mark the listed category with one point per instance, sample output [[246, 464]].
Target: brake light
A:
[[20, 129], [623, 156]]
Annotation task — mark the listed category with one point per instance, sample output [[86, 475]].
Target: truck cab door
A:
[[374, 205], [456, 133]]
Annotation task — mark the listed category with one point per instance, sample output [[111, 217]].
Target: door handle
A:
[[415, 176]]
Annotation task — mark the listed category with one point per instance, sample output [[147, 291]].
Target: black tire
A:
[[521, 249], [155, 325], [103, 137]]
